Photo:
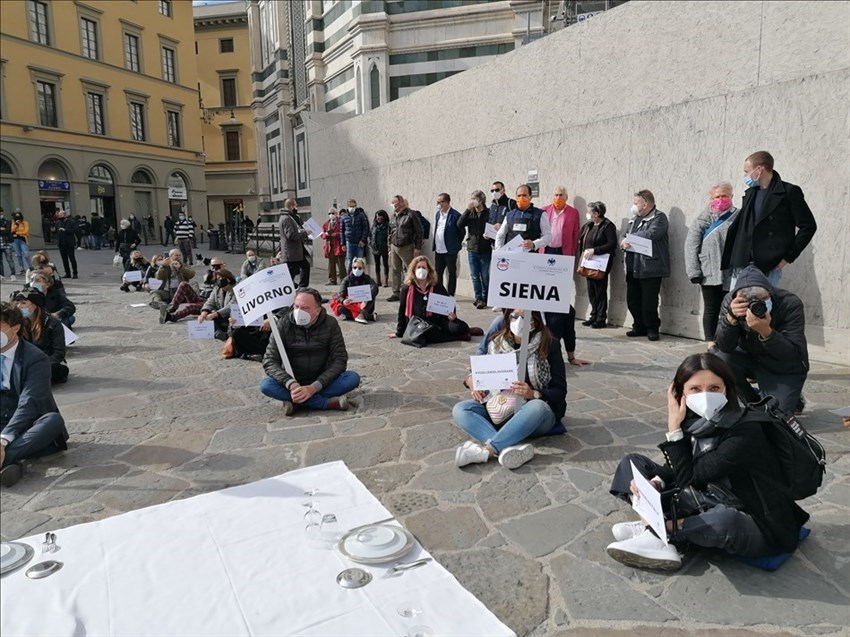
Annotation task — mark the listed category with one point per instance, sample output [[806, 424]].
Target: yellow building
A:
[[224, 75], [99, 110]]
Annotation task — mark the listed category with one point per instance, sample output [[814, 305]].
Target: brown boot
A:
[[340, 404]]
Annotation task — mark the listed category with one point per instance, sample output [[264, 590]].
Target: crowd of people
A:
[[756, 330]]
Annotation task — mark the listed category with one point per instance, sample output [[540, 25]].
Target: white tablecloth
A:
[[234, 562]]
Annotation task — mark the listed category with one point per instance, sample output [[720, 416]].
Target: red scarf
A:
[[408, 307]]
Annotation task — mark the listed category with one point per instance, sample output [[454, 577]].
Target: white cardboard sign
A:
[[236, 315], [70, 337], [596, 262], [440, 304], [648, 504], [133, 276], [493, 372], [154, 284], [201, 331], [531, 281], [490, 231], [313, 227], [264, 292], [641, 245], [514, 245], [360, 293]]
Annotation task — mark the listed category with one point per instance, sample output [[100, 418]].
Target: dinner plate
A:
[[14, 555], [376, 543]]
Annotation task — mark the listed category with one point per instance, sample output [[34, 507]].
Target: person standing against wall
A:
[[292, 238], [355, 232], [447, 241], [479, 248], [405, 241], [598, 236]]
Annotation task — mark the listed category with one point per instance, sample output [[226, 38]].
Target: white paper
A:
[[360, 293], [493, 371], [70, 337], [313, 227], [648, 505], [641, 245], [514, 245], [133, 276], [596, 262], [490, 231], [236, 315], [440, 304], [844, 412], [154, 284], [138, 304], [264, 292], [531, 281], [201, 331]]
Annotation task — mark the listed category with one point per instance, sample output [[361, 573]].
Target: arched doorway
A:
[[178, 195], [6, 172], [143, 203], [54, 192], [102, 195]]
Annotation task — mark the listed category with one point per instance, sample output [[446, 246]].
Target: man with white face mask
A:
[[762, 335], [316, 350]]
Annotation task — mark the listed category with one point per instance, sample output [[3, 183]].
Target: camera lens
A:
[[758, 308]]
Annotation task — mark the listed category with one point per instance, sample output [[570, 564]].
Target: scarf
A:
[[705, 434], [537, 366], [408, 306], [719, 221]]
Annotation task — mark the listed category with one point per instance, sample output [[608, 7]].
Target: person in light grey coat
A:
[[704, 252]]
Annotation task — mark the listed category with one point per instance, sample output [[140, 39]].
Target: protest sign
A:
[[70, 337], [641, 245], [490, 231], [531, 281], [493, 371], [360, 293], [648, 504], [264, 292], [440, 304], [201, 331], [133, 276], [514, 245], [236, 315], [154, 284], [596, 262], [313, 227]]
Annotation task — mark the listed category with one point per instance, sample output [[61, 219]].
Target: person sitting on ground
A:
[[56, 302], [316, 351], [709, 446], [172, 272], [492, 419], [137, 263], [420, 282], [30, 423], [44, 331], [346, 309], [248, 342], [40, 260], [762, 335], [215, 308], [150, 273], [251, 265]]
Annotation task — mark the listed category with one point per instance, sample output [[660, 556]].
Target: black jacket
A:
[[783, 352], [498, 209], [56, 302], [405, 229], [440, 321], [353, 281], [784, 231], [52, 340], [474, 222], [602, 238], [745, 458], [66, 232]]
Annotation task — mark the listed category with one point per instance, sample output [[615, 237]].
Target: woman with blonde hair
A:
[[419, 284]]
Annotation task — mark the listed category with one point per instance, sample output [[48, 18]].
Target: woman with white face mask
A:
[[419, 284], [724, 470], [499, 422], [346, 308]]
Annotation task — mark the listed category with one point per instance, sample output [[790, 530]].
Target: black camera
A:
[[206, 261], [757, 307]]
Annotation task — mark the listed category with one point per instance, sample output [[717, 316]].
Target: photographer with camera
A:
[[761, 335]]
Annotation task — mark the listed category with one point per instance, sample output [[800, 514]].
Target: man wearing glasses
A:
[[501, 204]]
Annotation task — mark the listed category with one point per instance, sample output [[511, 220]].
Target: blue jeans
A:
[[479, 272], [535, 418], [22, 251], [352, 250], [36, 441], [773, 277], [494, 329], [342, 384]]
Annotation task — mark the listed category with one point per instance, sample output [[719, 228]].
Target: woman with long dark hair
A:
[[44, 331], [723, 471]]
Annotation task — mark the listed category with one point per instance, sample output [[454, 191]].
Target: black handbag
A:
[[414, 333]]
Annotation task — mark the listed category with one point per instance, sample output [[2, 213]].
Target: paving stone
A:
[[585, 480], [407, 502], [542, 532], [76, 485], [357, 451], [447, 477], [586, 406], [139, 489], [594, 435], [510, 493], [168, 450], [238, 467], [360, 425], [21, 524], [298, 434], [239, 436], [452, 529], [387, 478], [427, 439]]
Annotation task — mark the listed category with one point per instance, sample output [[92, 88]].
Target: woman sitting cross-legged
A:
[[420, 282], [137, 263], [45, 331], [729, 481], [344, 307], [494, 421]]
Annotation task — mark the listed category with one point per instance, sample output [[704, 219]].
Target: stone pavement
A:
[[154, 417]]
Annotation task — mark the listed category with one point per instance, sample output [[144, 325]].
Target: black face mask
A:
[[222, 283]]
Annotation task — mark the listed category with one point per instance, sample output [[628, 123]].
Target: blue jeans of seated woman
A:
[[68, 321], [342, 384], [479, 272], [535, 418]]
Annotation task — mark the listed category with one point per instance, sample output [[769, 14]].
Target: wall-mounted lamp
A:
[[28, 129]]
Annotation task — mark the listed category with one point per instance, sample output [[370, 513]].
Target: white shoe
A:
[[646, 551], [497, 309], [13, 278], [627, 530], [361, 319], [469, 453], [516, 456]]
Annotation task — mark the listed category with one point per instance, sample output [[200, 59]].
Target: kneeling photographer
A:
[[761, 335]]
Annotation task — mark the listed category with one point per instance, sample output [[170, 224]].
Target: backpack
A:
[[802, 460]]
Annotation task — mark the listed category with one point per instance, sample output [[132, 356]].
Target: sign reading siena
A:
[[531, 281]]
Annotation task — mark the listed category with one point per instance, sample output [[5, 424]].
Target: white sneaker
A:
[[361, 319], [646, 551], [516, 456], [497, 309], [469, 453], [13, 278], [627, 530]]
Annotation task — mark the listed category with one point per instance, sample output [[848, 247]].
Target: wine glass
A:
[[420, 631], [408, 610], [330, 527]]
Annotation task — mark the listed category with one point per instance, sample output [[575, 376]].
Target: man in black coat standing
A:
[[775, 223], [66, 231]]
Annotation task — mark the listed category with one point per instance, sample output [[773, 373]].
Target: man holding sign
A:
[[316, 353], [647, 264]]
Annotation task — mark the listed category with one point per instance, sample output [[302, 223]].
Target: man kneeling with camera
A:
[[761, 335]]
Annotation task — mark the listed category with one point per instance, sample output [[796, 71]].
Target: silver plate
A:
[[410, 542], [26, 553], [353, 578]]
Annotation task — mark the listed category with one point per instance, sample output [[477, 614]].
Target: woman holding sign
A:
[[494, 421], [136, 269], [356, 298], [419, 284], [598, 242], [720, 482]]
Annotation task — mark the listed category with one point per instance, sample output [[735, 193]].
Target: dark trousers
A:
[[784, 388], [185, 247], [441, 263], [58, 373], [563, 326], [597, 295], [367, 311], [250, 340], [712, 297], [69, 259], [39, 440], [720, 527], [301, 269], [642, 299], [336, 263], [385, 257]]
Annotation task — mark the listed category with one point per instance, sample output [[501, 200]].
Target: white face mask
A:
[[301, 317], [634, 210], [516, 326], [706, 404], [588, 216], [357, 271], [4, 340], [421, 273], [350, 209]]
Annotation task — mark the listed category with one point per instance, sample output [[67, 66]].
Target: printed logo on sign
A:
[[269, 272], [503, 264], [551, 262], [241, 294]]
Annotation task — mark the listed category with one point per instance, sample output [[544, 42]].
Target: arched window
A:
[[375, 87], [52, 170], [5, 167], [141, 177], [100, 174], [176, 180]]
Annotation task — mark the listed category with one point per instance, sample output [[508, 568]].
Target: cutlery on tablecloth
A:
[[401, 567]]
